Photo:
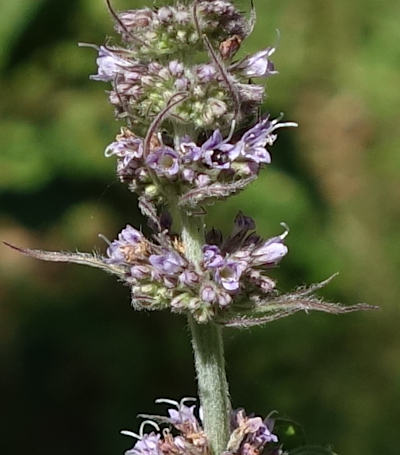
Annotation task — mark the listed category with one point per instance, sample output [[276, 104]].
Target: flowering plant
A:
[[192, 136]]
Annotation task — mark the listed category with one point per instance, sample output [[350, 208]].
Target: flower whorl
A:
[[184, 145], [181, 93]]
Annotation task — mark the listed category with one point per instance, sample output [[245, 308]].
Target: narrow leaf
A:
[[91, 260]]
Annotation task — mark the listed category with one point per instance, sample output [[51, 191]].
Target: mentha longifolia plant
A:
[[192, 135]]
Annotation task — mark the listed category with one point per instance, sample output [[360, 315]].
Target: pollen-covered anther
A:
[[230, 46], [198, 439], [155, 142], [178, 245], [134, 252], [125, 133]]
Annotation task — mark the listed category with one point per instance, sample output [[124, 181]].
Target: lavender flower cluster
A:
[[183, 97], [249, 435], [161, 276], [156, 80], [196, 173], [144, 82]]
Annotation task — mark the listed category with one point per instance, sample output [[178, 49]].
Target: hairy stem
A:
[[212, 384], [208, 350]]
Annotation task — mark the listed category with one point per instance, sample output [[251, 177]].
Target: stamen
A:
[[186, 399], [130, 433], [276, 125], [93, 46], [287, 230], [103, 237], [278, 38], [274, 412], [231, 132], [167, 401], [147, 422]]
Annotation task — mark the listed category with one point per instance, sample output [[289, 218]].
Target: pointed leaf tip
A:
[[75, 258]]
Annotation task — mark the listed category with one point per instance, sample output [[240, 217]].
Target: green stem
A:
[[212, 384], [208, 349]]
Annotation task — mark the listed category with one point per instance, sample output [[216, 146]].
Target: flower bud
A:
[[151, 191]]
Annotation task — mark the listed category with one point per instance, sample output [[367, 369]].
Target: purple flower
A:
[[212, 256], [206, 72], [149, 444], [182, 84], [252, 433], [169, 263], [270, 252], [190, 152], [164, 161], [130, 246], [127, 145], [226, 272], [256, 65], [188, 174], [251, 148], [139, 272], [223, 298], [129, 150], [259, 433], [189, 278], [176, 68], [213, 141], [228, 275], [252, 144], [262, 281], [202, 180], [132, 19], [109, 65], [184, 415], [208, 293]]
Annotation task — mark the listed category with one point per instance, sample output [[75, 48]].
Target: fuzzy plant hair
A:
[[191, 135]]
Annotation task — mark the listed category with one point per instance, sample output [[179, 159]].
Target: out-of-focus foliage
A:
[[77, 364]]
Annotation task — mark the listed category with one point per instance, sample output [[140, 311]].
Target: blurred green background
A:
[[77, 364]]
